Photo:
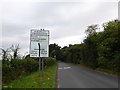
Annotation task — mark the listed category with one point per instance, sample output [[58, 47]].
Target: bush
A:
[[30, 65], [8, 72], [11, 70], [50, 61]]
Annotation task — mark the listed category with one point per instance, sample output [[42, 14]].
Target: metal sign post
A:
[[40, 62], [39, 46], [42, 67], [39, 58]]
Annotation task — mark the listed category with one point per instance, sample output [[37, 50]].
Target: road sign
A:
[[41, 37]]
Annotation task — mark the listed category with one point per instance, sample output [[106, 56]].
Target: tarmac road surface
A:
[[72, 76]]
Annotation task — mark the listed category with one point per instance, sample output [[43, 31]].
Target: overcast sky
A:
[[66, 19]]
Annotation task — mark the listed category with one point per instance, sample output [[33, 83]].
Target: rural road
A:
[[72, 76]]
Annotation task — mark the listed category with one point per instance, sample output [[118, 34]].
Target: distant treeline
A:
[[98, 50]]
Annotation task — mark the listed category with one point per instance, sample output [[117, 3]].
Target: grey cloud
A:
[[62, 19], [49, 16], [10, 30]]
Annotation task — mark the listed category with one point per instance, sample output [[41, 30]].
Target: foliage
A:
[[71, 54], [49, 61], [91, 29], [34, 80], [5, 54], [11, 70], [54, 51], [99, 49], [109, 47], [90, 51], [14, 49]]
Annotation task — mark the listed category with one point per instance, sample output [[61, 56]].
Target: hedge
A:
[[12, 70]]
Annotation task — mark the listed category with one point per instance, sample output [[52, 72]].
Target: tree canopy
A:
[[99, 49]]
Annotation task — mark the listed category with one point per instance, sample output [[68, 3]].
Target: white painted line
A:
[[67, 67], [58, 86], [60, 68]]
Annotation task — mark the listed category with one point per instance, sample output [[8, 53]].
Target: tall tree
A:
[[109, 46], [15, 49], [5, 54], [54, 51], [91, 29]]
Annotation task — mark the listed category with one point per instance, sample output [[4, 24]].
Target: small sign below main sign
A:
[[42, 37]]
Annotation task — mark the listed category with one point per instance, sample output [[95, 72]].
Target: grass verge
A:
[[107, 71], [35, 80]]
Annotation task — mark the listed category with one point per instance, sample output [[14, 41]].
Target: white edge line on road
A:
[[58, 86]]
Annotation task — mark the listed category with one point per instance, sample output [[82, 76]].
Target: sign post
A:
[[42, 67], [39, 58], [39, 45]]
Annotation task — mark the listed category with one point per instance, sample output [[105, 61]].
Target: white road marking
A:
[[67, 67], [60, 68], [58, 86]]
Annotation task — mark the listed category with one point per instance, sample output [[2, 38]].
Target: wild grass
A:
[[34, 80]]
